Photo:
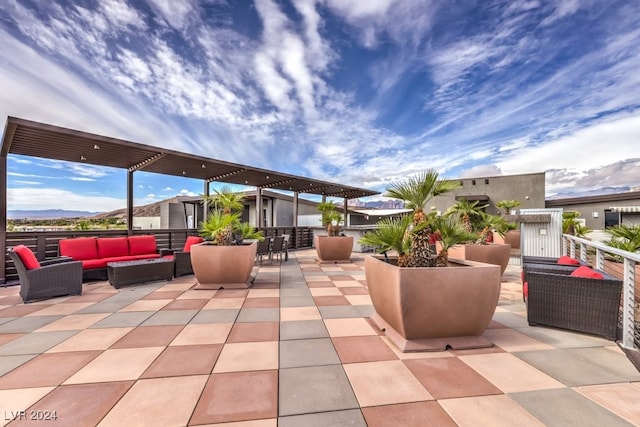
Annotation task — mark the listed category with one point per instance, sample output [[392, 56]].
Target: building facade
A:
[[600, 212]]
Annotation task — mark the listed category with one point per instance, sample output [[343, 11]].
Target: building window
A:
[[473, 182], [486, 181], [611, 218]]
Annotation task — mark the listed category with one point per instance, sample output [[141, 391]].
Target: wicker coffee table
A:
[[145, 270]]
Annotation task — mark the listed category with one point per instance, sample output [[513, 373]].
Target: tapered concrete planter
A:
[[511, 237], [432, 308], [492, 253], [333, 249], [227, 267]]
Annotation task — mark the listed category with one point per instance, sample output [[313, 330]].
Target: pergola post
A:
[[130, 202], [3, 213], [346, 213], [259, 222]]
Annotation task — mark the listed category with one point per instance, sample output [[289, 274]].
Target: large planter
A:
[[227, 267], [433, 308], [492, 253], [333, 249]]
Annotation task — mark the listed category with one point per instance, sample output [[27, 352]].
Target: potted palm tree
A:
[[223, 261], [425, 301], [508, 231], [478, 223], [334, 247]]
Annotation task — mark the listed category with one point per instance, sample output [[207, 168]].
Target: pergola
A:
[[35, 139]]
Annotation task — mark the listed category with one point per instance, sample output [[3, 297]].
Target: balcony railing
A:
[[602, 256], [45, 243]]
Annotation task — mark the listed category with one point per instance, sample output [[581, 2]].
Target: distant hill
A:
[[152, 209], [597, 192], [47, 214]]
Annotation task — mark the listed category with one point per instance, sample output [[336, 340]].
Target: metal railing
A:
[[570, 244]]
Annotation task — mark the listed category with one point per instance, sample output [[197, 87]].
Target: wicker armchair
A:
[[182, 257], [575, 303], [52, 278]]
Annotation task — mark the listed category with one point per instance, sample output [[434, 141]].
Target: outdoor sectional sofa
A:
[[96, 252]]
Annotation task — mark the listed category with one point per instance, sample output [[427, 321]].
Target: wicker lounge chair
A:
[[575, 303], [182, 257], [263, 249], [45, 279]]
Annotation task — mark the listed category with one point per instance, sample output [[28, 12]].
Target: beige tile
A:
[[489, 411], [299, 313], [331, 268], [147, 305], [512, 341], [249, 356], [203, 334], [20, 399], [224, 303], [156, 401], [621, 399], [264, 293], [324, 292], [348, 327], [198, 294], [63, 308], [116, 365], [74, 321], [316, 278], [347, 283], [179, 286], [359, 299], [509, 373], [271, 422], [384, 383], [91, 339]]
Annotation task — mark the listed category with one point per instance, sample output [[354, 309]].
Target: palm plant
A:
[[625, 237], [507, 205], [391, 234], [331, 218], [470, 213], [416, 191], [452, 234], [570, 224], [223, 222]]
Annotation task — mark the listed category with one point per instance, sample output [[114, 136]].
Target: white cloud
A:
[[49, 198]]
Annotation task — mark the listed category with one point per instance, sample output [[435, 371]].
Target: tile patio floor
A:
[[297, 350]]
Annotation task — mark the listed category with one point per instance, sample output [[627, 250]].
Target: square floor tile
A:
[[330, 300], [72, 406], [299, 313], [349, 327], [250, 356], [38, 372], [509, 373], [91, 339], [146, 305], [512, 341], [362, 349], [16, 400], [262, 303], [407, 414], [216, 303], [309, 352], [185, 304], [195, 334], [116, 365], [488, 411], [149, 336], [238, 396], [621, 399], [254, 331], [315, 389], [449, 377], [74, 322], [182, 360], [34, 343], [156, 401], [302, 329], [384, 383], [351, 417]]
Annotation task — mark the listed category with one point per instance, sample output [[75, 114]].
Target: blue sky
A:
[[353, 91]]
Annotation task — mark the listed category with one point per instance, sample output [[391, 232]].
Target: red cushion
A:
[[586, 271], [89, 264], [522, 276], [525, 289], [567, 260], [109, 247], [79, 249], [142, 245], [191, 240], [27, 257]]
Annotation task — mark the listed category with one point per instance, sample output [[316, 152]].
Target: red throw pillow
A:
[[142, 245], [567, 260], [525, 289], [27, 257], [586, 271], [191, 240]]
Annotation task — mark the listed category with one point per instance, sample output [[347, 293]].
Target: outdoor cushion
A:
[[525, 289], [142, 245], [109, 247], [79, 249], [586, 271], [27, 257], [191, 240], [567, 260], [89, 264]]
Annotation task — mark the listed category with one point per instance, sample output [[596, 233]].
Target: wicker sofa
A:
[[45, 279], [96, 252], [583, 304]]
